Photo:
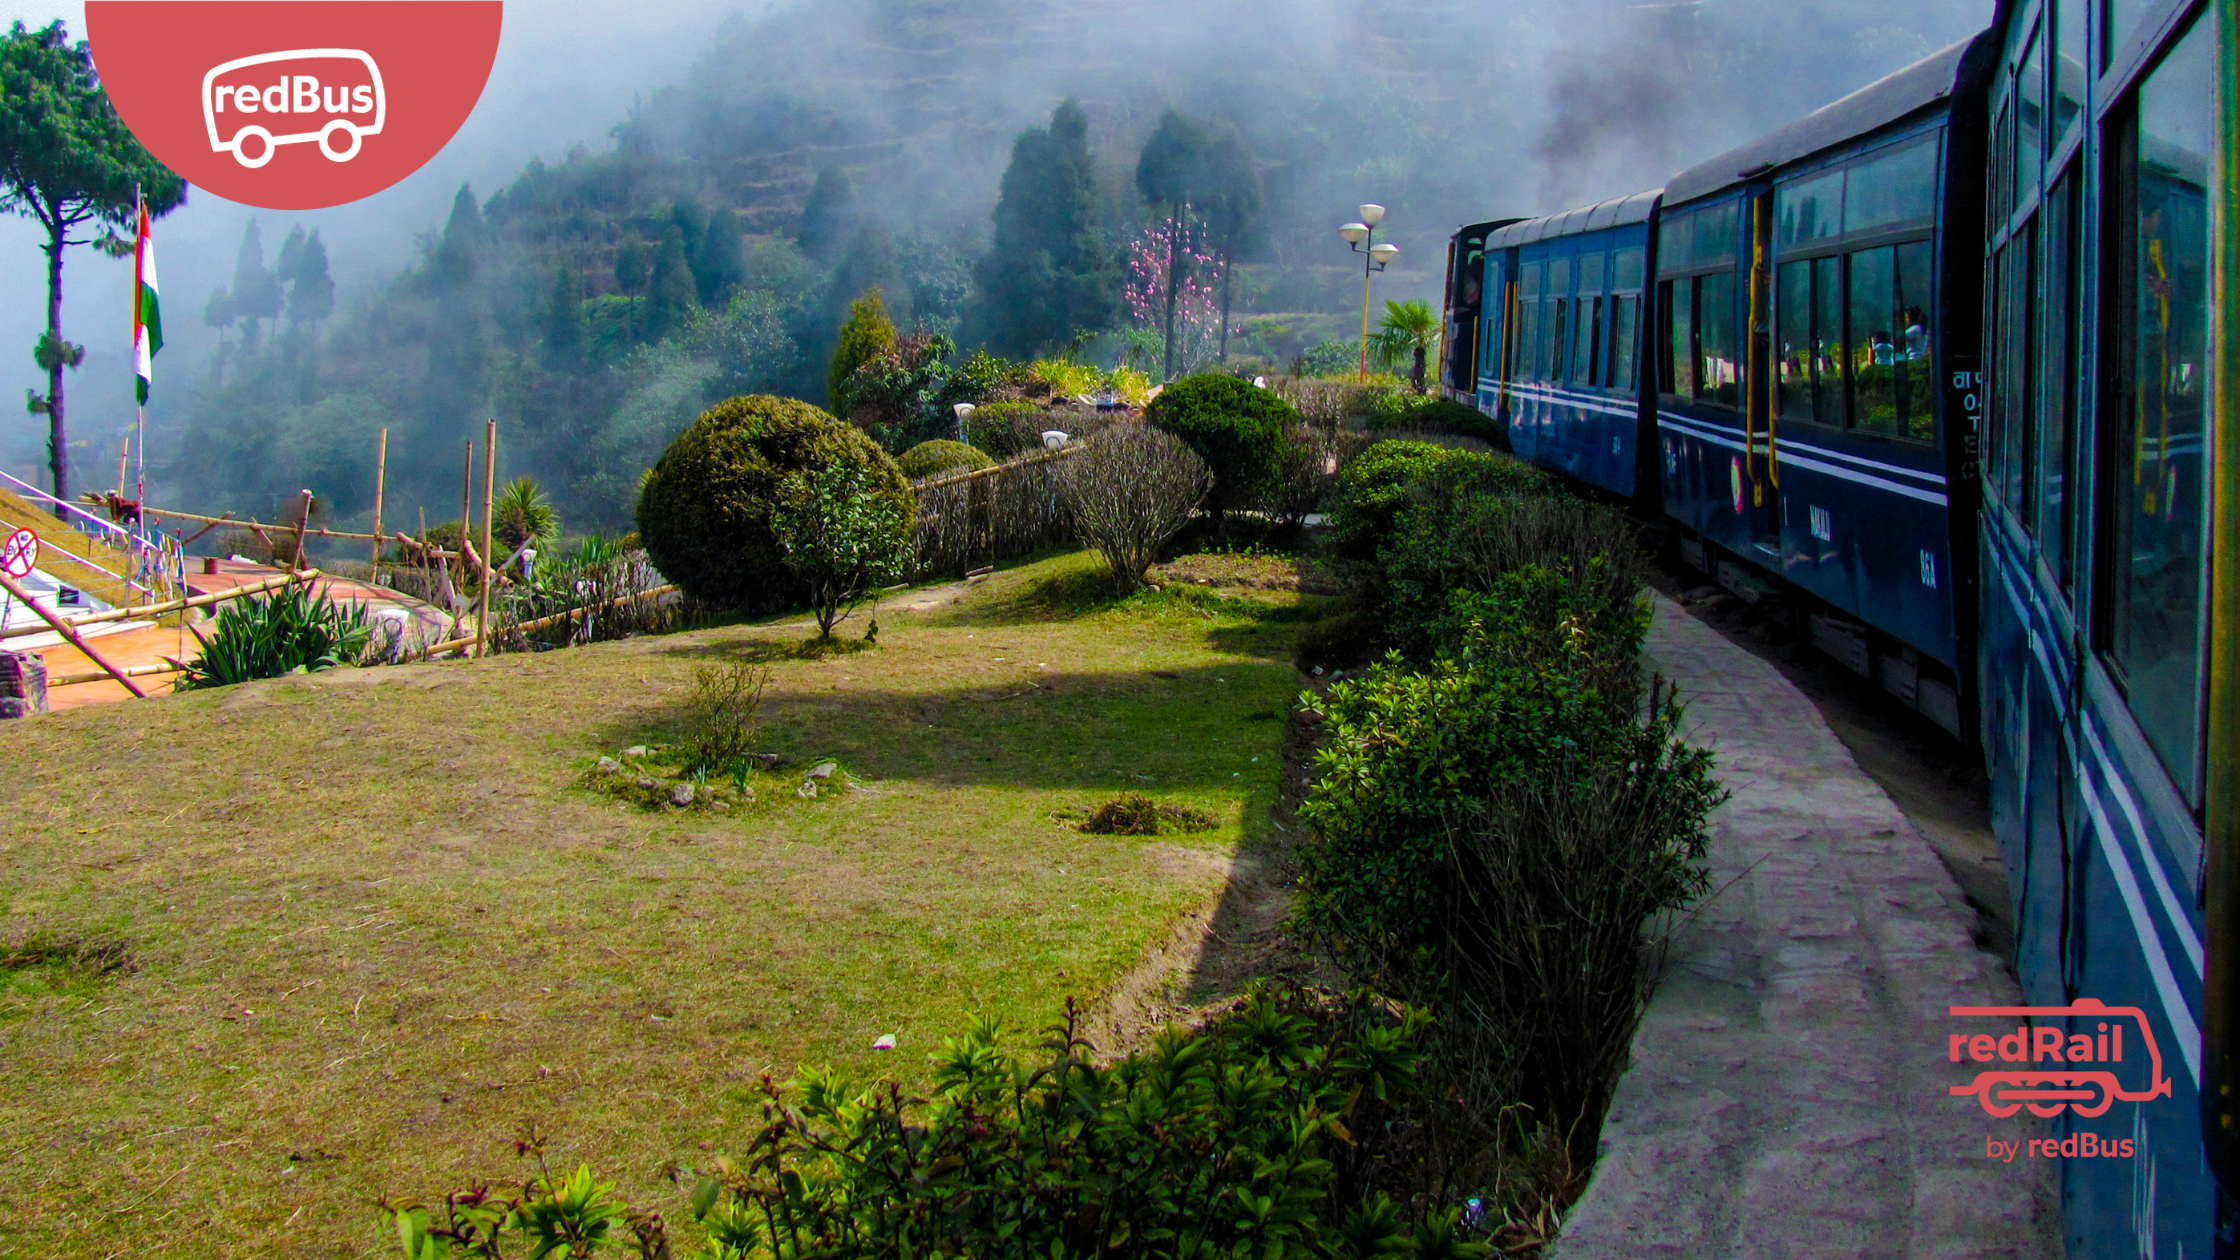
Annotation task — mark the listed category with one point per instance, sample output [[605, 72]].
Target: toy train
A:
[[1950, 368]]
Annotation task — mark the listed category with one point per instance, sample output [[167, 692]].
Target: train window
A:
[[2060, 369], [1999, 206], [1872, 345], [1721, 352], [1587, 367], [1676, 242], [2068, 66], [1915, 373], [2123, 16], [1715, 235], [1827, 340], [1626, 266], [1892, 189], [1793, 331], [1625, 337], [2011, 373], [2154, 468], [2030, 119], [1809, 211], [1527, 345], [1559, 344], [1676, 355]]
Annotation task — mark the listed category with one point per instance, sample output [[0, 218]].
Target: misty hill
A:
[[600, 300]]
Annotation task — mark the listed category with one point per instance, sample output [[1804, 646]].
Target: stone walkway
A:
[[1787, 1094]]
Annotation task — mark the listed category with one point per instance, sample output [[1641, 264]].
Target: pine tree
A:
[[632, 264], [563, 322], [302, 266], [718, 267], [825, 215], [865, 335], [458, 254], [672, 292], [256, 291], [1049, 275]]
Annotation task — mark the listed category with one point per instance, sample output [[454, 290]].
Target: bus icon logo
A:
[[336, 115]]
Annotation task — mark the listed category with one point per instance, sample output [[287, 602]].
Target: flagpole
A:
[[140, 409]]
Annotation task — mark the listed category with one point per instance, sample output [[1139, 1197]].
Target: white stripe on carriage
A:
[[1557, 397], [1705, 431], [2129, 805], [2119, 865], [2150, 942], [1926, 496]]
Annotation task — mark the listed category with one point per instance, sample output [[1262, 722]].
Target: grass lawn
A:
[[372, 921]]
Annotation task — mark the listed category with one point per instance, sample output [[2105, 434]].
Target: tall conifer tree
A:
[[1049, 274]]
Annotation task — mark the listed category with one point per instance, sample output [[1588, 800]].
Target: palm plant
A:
[[523, 515], [289, 631], [1407, 326]]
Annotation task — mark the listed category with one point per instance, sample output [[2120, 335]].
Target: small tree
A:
[[1407, 327], [67, 161], [865, 335], [842, 535], [1128, 492]]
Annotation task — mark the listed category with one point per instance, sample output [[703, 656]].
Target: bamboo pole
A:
[[489, 486], [64, 629], [177, 605], [321, 532], [380, 480], [124, 457], [1063, 452], [453, 645], [136, 671], [303, 522]]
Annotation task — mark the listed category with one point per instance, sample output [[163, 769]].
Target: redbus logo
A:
[[220, 90], [352, 111]]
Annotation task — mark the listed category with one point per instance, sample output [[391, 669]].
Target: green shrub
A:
[[1007, 429], [1267, 1134], [290, 631], [1236, 427], [842, 536], [1434, 414], [705, 512], [1330, 359], [1135, 814], [1376, 485], [939, 457], [864, 335]]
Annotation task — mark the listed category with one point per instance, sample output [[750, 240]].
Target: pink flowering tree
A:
[[1197, 298]]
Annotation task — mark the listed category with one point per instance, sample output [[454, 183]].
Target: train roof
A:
[[1616, 212], [1880, 103]]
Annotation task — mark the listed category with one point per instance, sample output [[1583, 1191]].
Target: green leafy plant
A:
[[290, 631], [523, 515], [1270, 1132], [721, 718], [842, 534], [1135, 814], [1409, 331], [1234, 426]]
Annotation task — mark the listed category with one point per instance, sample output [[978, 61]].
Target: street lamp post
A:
[[1361, 237]]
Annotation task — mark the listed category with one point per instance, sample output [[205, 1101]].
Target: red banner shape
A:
[[294, 104]]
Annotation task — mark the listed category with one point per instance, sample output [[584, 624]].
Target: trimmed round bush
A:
[[1236, 427], [704, 513], [940, 457]]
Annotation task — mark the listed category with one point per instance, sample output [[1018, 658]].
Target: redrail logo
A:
[[2048, 1068], [351, 111], [294, 104]]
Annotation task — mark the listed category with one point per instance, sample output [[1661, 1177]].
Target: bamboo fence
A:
[[973, 519]]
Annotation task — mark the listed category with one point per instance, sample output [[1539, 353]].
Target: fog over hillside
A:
[[1444, 110]]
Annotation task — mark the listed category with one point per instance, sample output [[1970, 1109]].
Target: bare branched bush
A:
[[1304, 476], [1128, 492], [723, 715]]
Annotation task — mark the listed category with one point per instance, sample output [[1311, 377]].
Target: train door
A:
[[1762, 454]]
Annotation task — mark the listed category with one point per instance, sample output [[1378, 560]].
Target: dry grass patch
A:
[[376, 919]]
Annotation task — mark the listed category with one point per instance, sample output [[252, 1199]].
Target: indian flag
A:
[[147, 316]]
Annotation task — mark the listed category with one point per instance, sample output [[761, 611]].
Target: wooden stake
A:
[[489, 579], [70, 635], [303, 522], [380, 478]]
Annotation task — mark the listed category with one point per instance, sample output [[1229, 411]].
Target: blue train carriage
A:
[[2108, 618], [1559, 343], [1816, 372]]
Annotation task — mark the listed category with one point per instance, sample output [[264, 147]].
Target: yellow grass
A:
[[375, 922]]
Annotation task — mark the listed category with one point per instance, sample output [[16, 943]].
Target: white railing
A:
[[147, 557]]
